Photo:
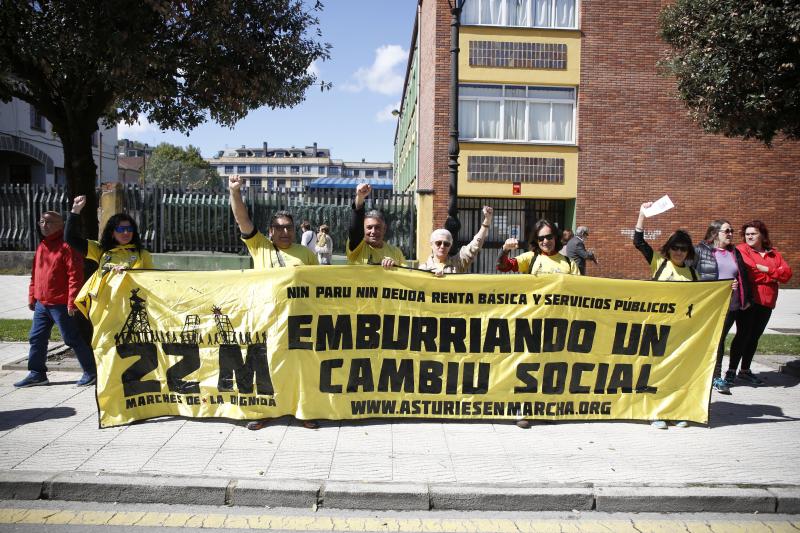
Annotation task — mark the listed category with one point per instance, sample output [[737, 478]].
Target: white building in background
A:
[[30, 152], [298, 169]]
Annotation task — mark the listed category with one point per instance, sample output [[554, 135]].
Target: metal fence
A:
[[21, 206], [512, 218], [176, 220]]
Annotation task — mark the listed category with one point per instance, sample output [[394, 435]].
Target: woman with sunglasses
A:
[[545, 257], [669, 265], [717, 258], [120, 248], [441, 263], [766, 269]]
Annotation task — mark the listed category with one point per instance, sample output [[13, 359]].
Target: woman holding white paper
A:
[[669, 265]]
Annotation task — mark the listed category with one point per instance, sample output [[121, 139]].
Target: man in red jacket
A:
[[56, 278]]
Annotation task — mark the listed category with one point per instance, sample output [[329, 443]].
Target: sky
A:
[[370, 40]]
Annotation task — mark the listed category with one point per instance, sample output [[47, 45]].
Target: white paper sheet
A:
[[659, 206]]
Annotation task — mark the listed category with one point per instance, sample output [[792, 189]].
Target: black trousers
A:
[[730, 318], [749, 328]]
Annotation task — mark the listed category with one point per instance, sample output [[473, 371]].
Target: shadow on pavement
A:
[[19, 417], [771, 378], [736, 414]]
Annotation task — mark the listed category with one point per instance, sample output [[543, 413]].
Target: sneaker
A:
[[749, 377], [86, 380], [659, 424], [523, 424], [32, 380], [730, 377], [721, 386], [681, 424]]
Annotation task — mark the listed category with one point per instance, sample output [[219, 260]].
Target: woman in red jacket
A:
[[766, 268]]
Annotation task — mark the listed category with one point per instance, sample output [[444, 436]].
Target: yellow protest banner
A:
[[347, 342]]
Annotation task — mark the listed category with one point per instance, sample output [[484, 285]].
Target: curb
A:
[[187, 490]]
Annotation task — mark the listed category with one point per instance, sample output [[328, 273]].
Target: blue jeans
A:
[[44, 316]]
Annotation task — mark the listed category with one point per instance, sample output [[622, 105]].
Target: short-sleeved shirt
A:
[[546, 264], [265, 255], [670, 271], [364, 254]]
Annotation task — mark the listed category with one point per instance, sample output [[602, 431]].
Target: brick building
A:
[[564, 114]]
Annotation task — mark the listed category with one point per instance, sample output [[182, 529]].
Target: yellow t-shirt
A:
[[364, 254], [265, 255], [670, 272], [125, 255], [546, 264]]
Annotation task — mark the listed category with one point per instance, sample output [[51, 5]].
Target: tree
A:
[[176, 62], [738, 64], [182, 167]]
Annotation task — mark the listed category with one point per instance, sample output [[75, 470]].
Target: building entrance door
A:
[[512, 218]]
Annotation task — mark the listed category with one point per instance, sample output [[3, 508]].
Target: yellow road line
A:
[[254, 521]]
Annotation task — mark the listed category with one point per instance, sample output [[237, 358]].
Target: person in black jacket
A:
[[718, 258]]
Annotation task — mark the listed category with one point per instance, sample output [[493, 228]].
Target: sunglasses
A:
[[124, 229], [679, 248], [548, 237], [446, 244], [729, 230], [284, 227]]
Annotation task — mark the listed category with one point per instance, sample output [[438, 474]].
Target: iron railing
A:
[[21, 206], [173, 219]]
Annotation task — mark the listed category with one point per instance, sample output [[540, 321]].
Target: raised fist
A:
[[363, 190], [511, 244], [234, 183], [78, 203]]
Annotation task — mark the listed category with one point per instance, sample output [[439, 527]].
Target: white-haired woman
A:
[[441, 262]]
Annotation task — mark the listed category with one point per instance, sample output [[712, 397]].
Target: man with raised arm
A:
[[365, 244], [279, 250]]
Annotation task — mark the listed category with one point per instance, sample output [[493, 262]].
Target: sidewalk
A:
[[49, 440], [745, 461]]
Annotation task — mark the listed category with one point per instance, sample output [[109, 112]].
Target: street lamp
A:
[[453, 225]]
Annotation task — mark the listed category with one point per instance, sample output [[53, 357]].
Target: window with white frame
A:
[[516, 113], [241, 169], [255, 169], [521, 13], [228, 169]]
